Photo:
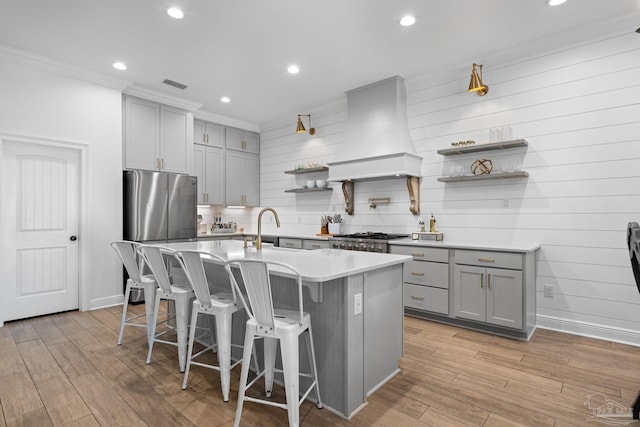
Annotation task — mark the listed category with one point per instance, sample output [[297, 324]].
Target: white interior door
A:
[[40, 195]]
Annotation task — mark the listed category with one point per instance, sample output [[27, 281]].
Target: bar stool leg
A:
[[244, 373], [312, 356], [192, 338], [154, 322], [125, 306], [291, 371], [223, 331], [270, 347], [182, 316]]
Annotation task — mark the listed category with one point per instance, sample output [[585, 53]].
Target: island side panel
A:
[[355, 354], [383, 323]]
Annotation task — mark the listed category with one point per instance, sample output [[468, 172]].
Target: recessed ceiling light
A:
[[174, 12], [225, 99], [119, 66], [555, 2], [407, 21], [293, 69]]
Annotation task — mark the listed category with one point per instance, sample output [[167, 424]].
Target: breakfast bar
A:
[[356, 308]]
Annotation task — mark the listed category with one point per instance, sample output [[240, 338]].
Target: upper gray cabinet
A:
[[242, 140], [205, 133], [156, 137]]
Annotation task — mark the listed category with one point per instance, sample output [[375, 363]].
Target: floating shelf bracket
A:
[[347, 190], [413, 185]]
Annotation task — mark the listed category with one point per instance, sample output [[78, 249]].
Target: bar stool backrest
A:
[[255, 275], [153, 256], [127, 251], [192, 264]]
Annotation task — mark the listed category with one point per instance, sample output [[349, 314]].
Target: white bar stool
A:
[[127, 251], [219, 305], [272, 325], [180, 293]]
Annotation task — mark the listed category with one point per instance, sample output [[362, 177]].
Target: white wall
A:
[[42, 105], [578, 109]]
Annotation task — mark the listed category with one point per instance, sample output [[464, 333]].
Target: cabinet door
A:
[[199, 172], [199, 132], [504, 297], [251, 180], [236, 139], [141, 135], [214, 135], [175, 139], [214, 175], [470, 293], [233, 179]]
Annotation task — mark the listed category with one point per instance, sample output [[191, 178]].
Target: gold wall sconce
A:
[[300, 127], [476, 85]]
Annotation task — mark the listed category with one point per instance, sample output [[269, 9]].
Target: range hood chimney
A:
[[377, 144]]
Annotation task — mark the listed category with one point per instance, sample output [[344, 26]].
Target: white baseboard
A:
[[95, 304], [592, 330]]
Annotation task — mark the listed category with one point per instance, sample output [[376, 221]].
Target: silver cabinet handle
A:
[[482, 280], [288, 244], [486, 260], [417, 298], [414, 273], [489, 280], [418, 255], [162, 162], [315, 246]]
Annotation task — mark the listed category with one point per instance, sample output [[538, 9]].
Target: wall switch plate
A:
[[548, 291], [357, 304]]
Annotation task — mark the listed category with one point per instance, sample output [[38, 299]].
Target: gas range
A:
[[367, 242]]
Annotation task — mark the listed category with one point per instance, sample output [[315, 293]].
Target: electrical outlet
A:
[[357, 304], [548, 291], [505, 203]]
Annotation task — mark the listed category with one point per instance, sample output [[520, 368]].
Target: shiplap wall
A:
[[579, 109]]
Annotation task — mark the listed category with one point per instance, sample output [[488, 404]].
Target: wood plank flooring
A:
[[66, 370]]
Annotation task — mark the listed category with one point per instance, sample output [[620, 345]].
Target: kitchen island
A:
[[358, 345]]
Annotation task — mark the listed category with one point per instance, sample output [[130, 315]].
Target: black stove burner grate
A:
[[373, 235]]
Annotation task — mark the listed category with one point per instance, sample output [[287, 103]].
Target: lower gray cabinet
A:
[[490, 295], [426, 278]]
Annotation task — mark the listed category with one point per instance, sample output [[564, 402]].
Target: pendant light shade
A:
[[300, 126], [476, 85]]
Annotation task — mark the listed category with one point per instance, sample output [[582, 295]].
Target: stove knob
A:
[[363, 247], [349, 246], [334, 245], [342, 246]]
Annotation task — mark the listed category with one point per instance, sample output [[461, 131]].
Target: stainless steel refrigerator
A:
[[159, 206]]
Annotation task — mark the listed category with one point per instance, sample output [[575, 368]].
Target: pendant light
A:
[[476, 85], [300, 127]]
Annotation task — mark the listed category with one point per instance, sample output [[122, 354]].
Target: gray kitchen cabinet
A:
[[156, 137], [208, 166], [489, 294], [288, 242], [206, 133], [242, 185], [315, 244], [242, 140], [426, 278]]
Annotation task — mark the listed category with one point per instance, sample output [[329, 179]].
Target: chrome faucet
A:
[[259, 238]]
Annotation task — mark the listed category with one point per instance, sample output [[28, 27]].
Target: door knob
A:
[[73, 238]]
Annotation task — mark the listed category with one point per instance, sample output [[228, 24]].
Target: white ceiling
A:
[[241, 48]]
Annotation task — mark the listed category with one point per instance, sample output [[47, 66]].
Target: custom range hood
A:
[[377, 144]]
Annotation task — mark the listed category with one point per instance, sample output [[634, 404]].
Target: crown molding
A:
[[227, 121], [162, 98], [28, 59]]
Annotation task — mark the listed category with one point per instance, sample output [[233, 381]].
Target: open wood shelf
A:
[[474, 148], [307, 170], [500, 175], [307, 190]]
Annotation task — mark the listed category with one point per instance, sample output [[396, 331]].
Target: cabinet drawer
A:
[[285, 242], [315, 244], [489, 259], [426, 298], [426, 273], [421, 253]]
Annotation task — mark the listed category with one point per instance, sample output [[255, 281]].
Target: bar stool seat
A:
[[273, 326]]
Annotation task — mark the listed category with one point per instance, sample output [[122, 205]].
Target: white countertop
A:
[[318, 265], [459, 244]]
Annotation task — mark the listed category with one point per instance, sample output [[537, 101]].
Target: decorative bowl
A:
[[321, 183], [311, 183]]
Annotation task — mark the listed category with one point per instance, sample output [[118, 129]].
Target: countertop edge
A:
[[502, 247]]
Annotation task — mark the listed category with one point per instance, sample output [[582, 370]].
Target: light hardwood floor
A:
[[66, 369]]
